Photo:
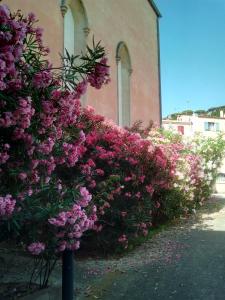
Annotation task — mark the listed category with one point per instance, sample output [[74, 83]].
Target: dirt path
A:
[[187, 261]]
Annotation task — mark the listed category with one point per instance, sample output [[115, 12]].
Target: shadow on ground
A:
[[186, 262]]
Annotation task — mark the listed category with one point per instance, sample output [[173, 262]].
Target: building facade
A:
[[189, 125], [128, 29]]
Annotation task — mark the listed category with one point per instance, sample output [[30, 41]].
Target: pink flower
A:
[[22, 176], [62, 246], [82, 136], [47, 179], [128, 194], [31, 17], [60, 220], [157, 204], [7, 206], [132, 161], [36, 248], [46, 146], [30, 191], [100, 172], [123, 213], [4, 156], [142, 178], [42, 79], [122, 239], [149, 189], [138, 195], [86, 197], [91, 163], [128, 178], [145, 232], [92, 184], [81, 89], [34, 163], [35, 176], [4, 13], [100, 75], [23, 114]]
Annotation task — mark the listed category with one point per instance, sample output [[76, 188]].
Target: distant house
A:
[[206, 125], [129, 31], [189, 125]]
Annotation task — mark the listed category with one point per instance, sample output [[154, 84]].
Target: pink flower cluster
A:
[[195, 169], [7, 206], [101, 74], [42, 79], [85, 197], [69, 109], [81, 89], [72, 153], [13, 30], [20, 117], [4, 156], [123, 240], [36, 248], [11, 47], [186, 168], [125, 174], [70, 225]]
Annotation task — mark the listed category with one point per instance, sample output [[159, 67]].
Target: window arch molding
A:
[[124, 71], [122, 45], [76, 26], [75, 29]]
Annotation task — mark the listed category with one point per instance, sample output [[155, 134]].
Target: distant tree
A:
[[187, 112], [213, 111], [201, 112], [173, 116], [216, 108]]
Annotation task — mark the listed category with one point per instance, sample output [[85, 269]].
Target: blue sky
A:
[[192, 38]]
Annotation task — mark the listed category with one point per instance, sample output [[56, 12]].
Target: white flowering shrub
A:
[[195, 163]]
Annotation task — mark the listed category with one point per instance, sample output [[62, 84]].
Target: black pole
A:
[[67, 275]]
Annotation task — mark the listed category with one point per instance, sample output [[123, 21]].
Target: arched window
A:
[[75, 28], [69, 31], [123, 84]]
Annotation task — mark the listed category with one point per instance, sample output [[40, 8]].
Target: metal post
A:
[[67, 275]]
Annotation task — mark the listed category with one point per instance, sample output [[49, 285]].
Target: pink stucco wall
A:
[[50, 18], [111, 21]]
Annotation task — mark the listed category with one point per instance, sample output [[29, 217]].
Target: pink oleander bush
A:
[[39, 110], [126, 176], [140, 178], [186, 174]]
